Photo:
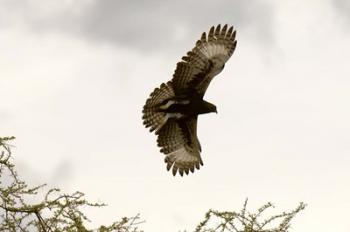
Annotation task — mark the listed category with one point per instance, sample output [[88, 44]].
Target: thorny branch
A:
[[245, 221], [55, 213]]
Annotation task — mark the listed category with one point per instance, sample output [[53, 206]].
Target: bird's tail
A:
[[152, 116]]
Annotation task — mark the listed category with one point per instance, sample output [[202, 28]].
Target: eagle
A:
[[172, 109]]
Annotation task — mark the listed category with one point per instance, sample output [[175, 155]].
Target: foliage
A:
[[56, 212], [244, 221]]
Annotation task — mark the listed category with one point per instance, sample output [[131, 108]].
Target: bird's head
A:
[[210, 107], [214, 109]]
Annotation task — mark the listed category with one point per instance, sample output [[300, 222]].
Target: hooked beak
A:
[[216, 111]]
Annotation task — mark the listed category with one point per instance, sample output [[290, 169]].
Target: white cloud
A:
[[147, 26]]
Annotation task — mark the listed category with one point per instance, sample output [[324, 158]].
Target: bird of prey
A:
[[173, 108]]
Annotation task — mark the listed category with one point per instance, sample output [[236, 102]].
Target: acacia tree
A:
[[56, 212], [245, 221], [60, 212]]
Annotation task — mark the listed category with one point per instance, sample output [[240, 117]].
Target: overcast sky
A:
[[74, 76]]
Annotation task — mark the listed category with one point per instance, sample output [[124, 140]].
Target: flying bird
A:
[[173, 108]]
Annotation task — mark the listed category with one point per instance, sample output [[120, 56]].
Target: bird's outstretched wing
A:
[[206, 60], [178, 141]]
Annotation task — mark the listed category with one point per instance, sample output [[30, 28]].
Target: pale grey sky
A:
[[74, 76]]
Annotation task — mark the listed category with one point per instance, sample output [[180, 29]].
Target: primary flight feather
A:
[[173, 108]]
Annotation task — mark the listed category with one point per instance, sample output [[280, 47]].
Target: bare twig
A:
[[245, 221], [56, 212]]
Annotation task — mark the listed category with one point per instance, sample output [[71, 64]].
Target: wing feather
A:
[[205, 60], [179, 142], [223, 33]]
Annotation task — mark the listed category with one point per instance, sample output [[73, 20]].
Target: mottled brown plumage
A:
[[173, 108]]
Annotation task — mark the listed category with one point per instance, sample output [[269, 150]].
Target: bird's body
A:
[[173, 108], [187, 106]]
